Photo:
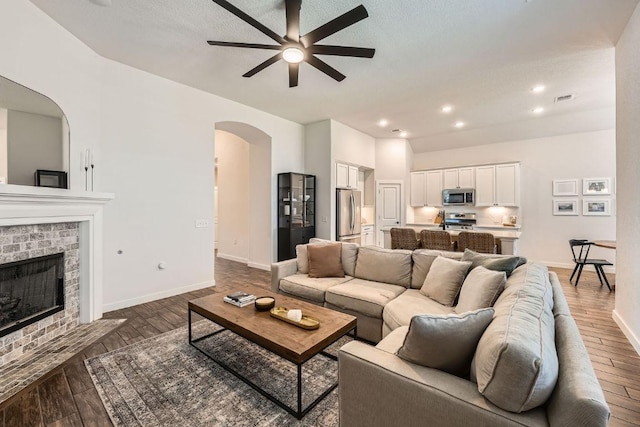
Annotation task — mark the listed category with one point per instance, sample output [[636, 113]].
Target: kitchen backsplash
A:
[[485, 216]]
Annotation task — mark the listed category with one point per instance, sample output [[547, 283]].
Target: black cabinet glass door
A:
[[296, 212]]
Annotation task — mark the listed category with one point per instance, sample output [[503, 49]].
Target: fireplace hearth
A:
[[30, 290]]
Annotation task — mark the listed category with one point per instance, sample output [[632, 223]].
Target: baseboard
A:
[[259, 266], [233, 258], [245, 261], [633, 339], [155, 296]]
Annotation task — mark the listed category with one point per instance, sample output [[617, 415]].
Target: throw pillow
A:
[[325, 260], [444, 280], [302, 257], [493, 262], [480, 289], [445, 342]]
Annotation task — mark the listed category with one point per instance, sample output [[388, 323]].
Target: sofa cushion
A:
[[384, 265], [516, 365], [325, 260], [392, 342], [398, 312], [422, 260], [363, 296], [480, 289], [495, 262], [444, 280], [445, 342], [349, 255], [303, 286]]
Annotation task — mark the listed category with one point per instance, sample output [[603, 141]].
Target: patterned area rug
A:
[[164, 381]]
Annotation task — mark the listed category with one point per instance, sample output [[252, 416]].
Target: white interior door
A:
[[388, 207]]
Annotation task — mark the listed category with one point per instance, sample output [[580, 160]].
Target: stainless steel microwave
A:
[[459, 197]]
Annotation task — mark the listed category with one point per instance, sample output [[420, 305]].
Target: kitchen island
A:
[[506, 237]]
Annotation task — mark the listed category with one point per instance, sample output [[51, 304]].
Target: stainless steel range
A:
[[459, 221]]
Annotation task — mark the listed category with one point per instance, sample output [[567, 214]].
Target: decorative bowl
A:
[[265, 303]]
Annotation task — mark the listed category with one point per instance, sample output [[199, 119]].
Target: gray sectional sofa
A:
[[530, 365]]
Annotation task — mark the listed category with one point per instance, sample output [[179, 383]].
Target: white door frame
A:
[[403, 217]]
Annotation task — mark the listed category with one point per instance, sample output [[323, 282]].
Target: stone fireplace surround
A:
[[37, 221]]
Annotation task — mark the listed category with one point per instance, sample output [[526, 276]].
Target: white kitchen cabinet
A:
[[418, 188], [485, 185], [467, 177], [368, 235], [434, 188], [450, 178], [459, 178], [508, 185], [346, 176], [352, 181], [498, 185], [426, 188]]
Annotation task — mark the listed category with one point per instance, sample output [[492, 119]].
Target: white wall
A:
[[318, 162], [352, 146], [627, 311], [34, 142], [545, 236], [3, 143], [232, 153], [153, 143]]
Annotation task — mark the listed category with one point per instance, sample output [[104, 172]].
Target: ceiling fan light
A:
[[293, 55]]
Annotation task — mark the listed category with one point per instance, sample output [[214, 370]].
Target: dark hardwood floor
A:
[[67, 397]]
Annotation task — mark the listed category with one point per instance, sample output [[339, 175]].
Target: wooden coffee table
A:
[[288, 341]]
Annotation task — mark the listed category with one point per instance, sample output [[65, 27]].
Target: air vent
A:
[[564, 98], [396, 130]]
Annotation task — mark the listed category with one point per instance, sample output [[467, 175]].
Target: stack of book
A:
[[240, 299]]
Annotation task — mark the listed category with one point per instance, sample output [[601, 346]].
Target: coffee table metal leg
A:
[[300, 413]]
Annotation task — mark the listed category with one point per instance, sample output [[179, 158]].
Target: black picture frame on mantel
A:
[[53, 179]]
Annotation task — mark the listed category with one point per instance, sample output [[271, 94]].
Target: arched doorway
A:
[[244, 186]]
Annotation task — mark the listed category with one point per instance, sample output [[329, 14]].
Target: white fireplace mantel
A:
[[22, 205]]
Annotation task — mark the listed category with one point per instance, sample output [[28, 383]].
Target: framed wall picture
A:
[[596, 186], [565, 206], [565, 187], [597, 207]]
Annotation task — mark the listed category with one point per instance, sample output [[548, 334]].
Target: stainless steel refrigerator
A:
[[348, 215]]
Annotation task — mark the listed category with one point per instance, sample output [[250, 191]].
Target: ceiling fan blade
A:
[[340, 23], [293, 74], [264, 65], [250, 45], [249, 20], [325, 68], [359, 52], [293, 19]]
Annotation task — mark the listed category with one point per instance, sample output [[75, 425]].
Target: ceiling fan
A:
[[295, 48]]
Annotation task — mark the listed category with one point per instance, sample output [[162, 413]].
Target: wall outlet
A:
[[202, 223], [324, 219]]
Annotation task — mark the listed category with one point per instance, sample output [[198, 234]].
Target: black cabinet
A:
[[296, 212]]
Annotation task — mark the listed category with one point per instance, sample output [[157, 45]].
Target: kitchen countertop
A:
[[500, 232]]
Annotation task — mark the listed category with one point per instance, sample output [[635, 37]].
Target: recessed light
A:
[[446, 109], [460, 125], [383, 123], [538, 110], [538, 88], [403, 134]]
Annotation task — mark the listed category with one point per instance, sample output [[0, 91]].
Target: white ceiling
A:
[[482, 56]]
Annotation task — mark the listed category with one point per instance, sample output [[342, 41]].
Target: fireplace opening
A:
[[30, 290]]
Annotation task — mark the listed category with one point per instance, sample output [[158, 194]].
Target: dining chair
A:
[[404, 238], [480, 242], [580, 251], [436, 239]]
